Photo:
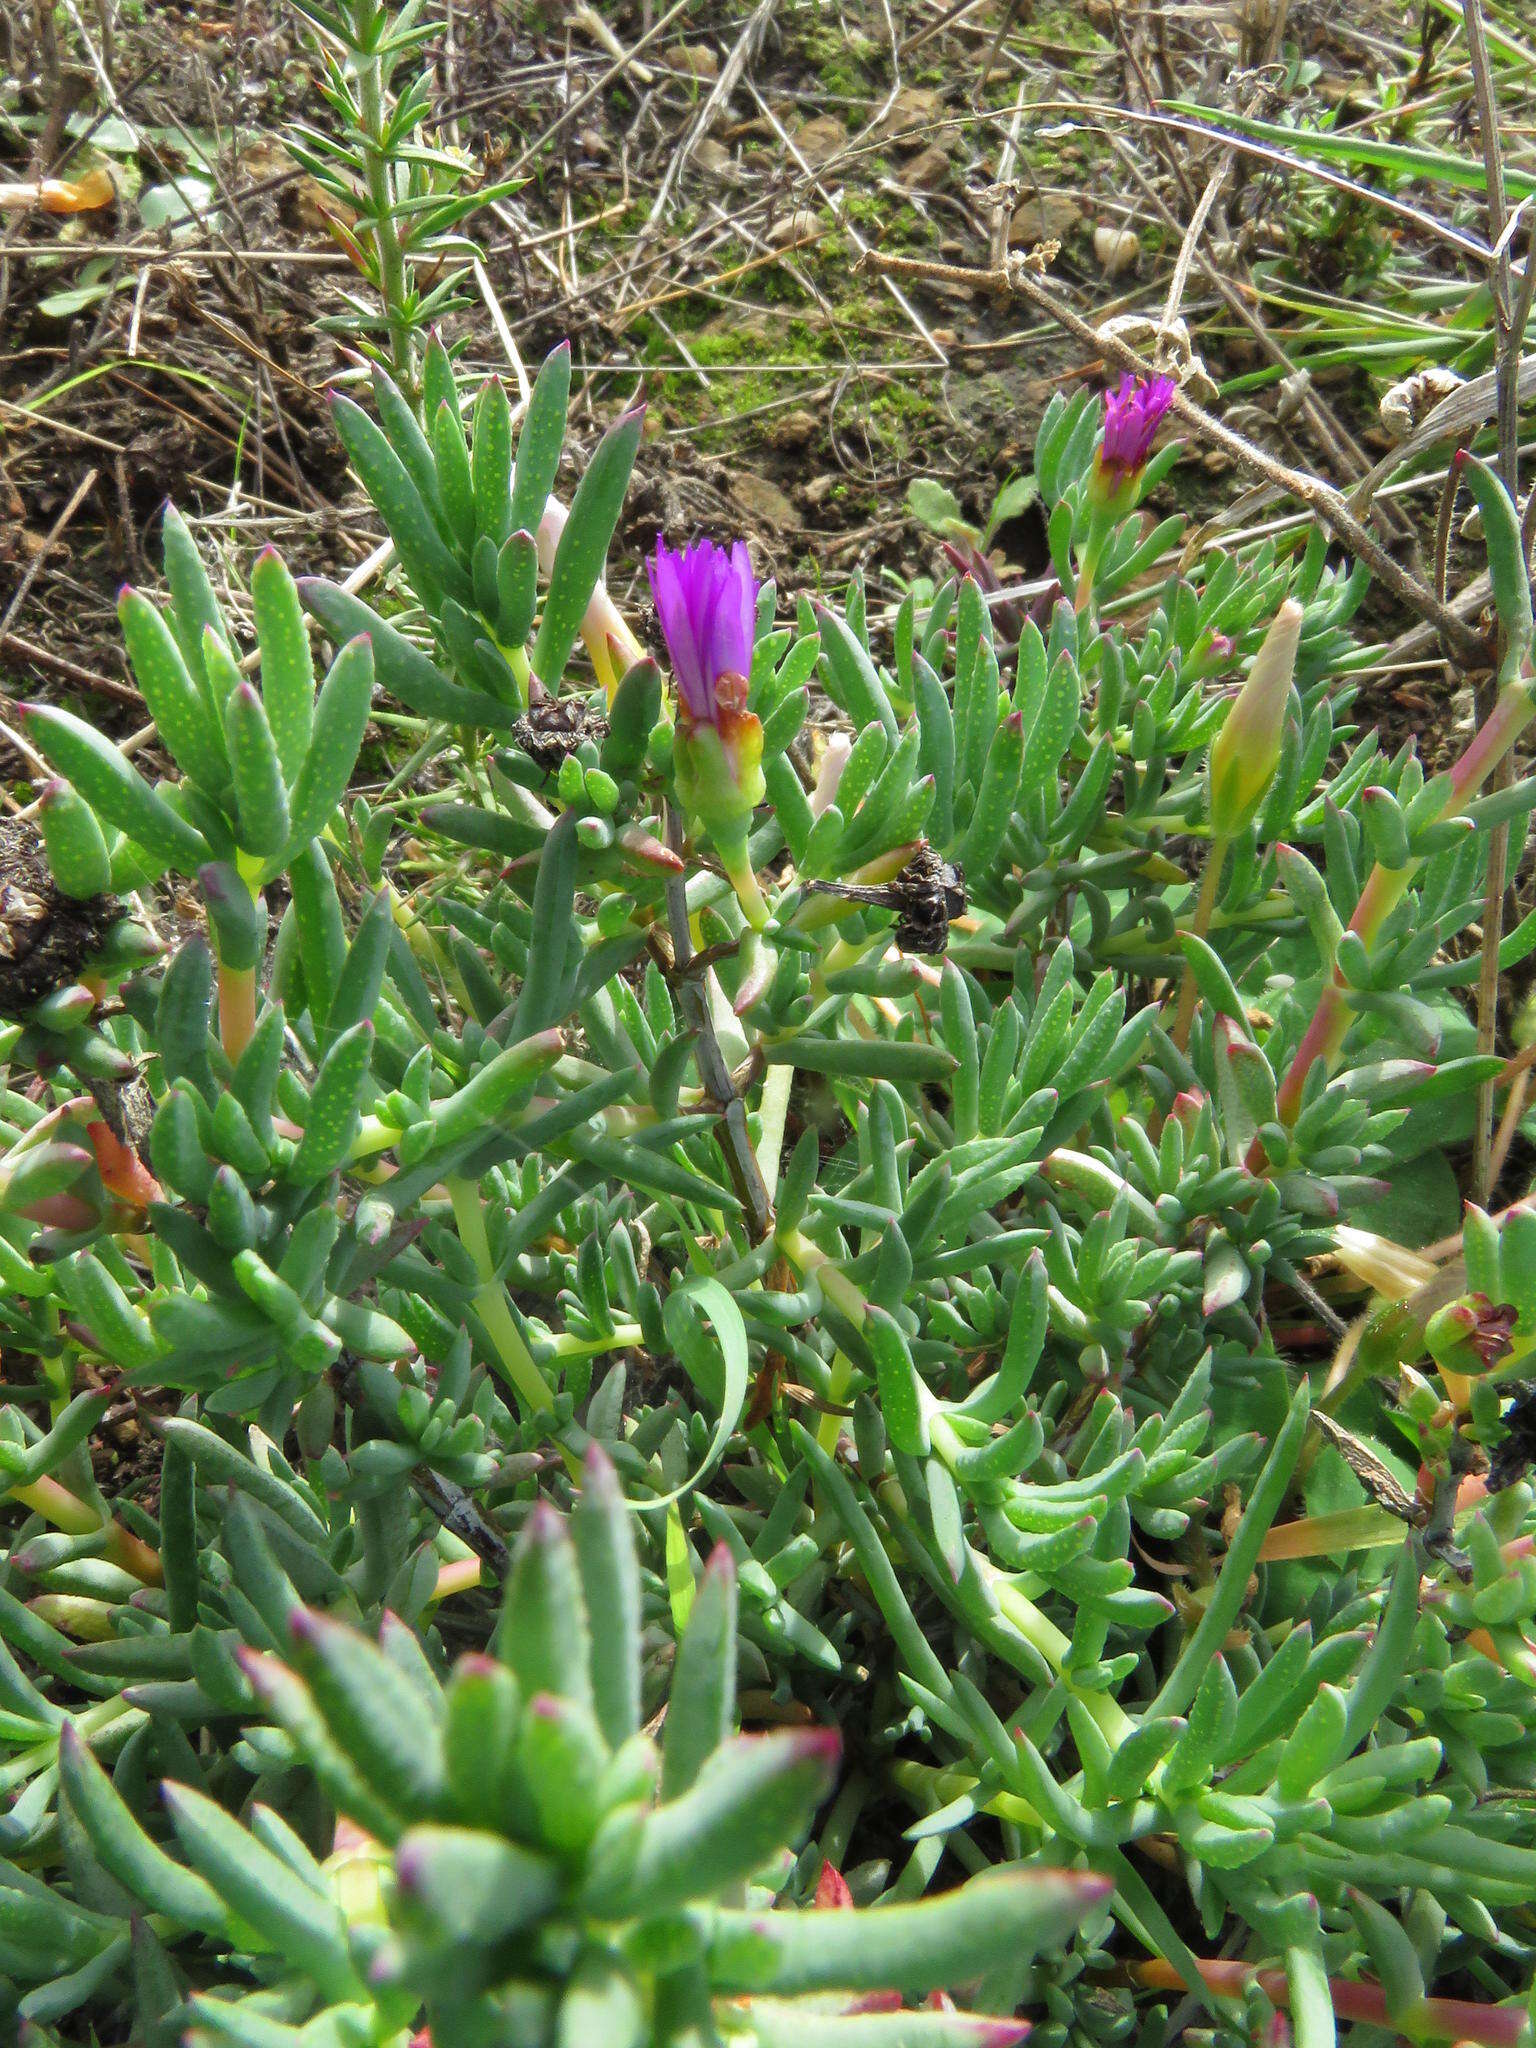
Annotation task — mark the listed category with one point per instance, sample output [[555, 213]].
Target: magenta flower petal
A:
[[1132, 413], [736, 621], [706, 602]]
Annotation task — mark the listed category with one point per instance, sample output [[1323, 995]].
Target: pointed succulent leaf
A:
[[702, 1703], [479, 1732], [194, 608], [400, 665], [544, 1635], [335, 1105], [113, 787], [451, 453], [462, 1887], [76, 849], [126, 1851], [341, 718], [287, 666], [362, 973], [610, 1580], [261, 796], [563, 1760], [933, 1945], [1508, 569], [177, 703], [423, 553], [379, 1719], [540, 439], [401, 427], [491, 462], [754, 1795], [583, 547], [1393, 1957], [517, 588], [293, 1918]]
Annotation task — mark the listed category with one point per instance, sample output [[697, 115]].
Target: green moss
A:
[[744, 390], [896, 415], [841, 63], [899, 413]]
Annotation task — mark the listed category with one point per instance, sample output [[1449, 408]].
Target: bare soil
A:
[[700, 246]]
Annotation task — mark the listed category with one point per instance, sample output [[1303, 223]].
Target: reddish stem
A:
[[1445, 2019], [237, 1008], [56, 1504]]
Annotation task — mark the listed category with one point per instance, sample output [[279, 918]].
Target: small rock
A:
[[820, 138], [697, 59], [714, 159], [792, 429], [1116, 248], [930, 170], [763, 502], [1049, 218], [914, 108], [798, 226]]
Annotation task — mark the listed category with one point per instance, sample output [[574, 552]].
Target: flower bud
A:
[[834, 759], [358, 1867], [1246, 752], [718, 771]]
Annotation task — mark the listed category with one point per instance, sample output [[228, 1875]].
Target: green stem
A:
[[1210, 882], [90, 1723], [513, 1359], [931, 1787], [370, 87], [373, 1136], [774, 1109], [1043, 1634], [619, 1338]]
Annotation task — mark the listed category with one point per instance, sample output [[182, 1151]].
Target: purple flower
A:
[[706, 599], [1131, 416]]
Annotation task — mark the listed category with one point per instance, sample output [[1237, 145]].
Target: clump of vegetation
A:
[[669, 1228]]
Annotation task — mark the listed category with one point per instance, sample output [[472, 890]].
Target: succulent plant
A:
[[947, 1174], [516, 1860]]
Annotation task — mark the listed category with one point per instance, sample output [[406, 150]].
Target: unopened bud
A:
[[1246, 752]]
